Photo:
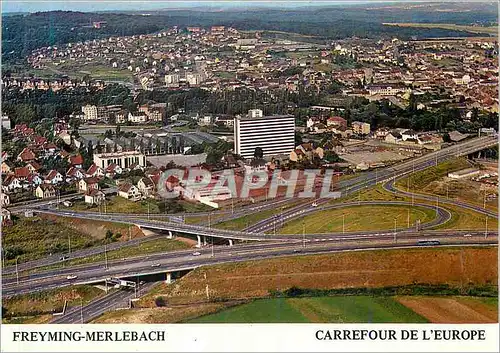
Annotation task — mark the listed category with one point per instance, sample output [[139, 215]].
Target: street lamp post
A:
[[486, 227], [304, 233], [105, 257], [17, 272], [81, 310], [395, 231]]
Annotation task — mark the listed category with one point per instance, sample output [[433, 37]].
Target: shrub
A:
[[160, 301]]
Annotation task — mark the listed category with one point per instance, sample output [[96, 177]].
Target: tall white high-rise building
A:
[[275, 134]]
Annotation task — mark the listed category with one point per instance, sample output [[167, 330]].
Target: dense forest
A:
[[23, 33]]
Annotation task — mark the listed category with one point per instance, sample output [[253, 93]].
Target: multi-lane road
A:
[[172, 262], [114, 300], [275, 247]]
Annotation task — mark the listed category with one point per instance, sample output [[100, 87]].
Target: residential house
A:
[[95, 171], [10, 183], [33, 167], [87, 184], [112, 170], [22, 173], [336, 121], [5, 216], [76, 161], [306, 151], [54, 177], [45, 191], [4, 199], [94, 197], [26, 155], [65, 137], [424, 139], [6, 167], [409, 134], [129, 191], [146, 186], [34, 179], [74, 173], [393, 137]]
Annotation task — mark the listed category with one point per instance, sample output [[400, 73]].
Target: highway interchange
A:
[[274, 245]]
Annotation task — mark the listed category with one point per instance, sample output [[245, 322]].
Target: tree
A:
[[258, 152], [118, 130]]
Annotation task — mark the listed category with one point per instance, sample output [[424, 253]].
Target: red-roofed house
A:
[[49, 148], [113, 169], [21, 173], [34, 180], [39, 140], [76, 161], [26, 155], [54, 177], [95, 171], [11, 183], [87, 184], [336, 121], [33, 167], [74, 173]]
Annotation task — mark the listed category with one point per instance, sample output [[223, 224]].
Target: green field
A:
[[358, 218], [349, 309]]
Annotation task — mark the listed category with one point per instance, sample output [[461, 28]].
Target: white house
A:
[[146, 186], [54, 177], [94, 197], [129, 191]]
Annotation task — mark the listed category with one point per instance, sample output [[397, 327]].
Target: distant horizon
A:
[[31, 6]]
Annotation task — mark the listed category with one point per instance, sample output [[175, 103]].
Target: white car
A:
[[197, 253], [467, 235], [155, 265], [71, 277]]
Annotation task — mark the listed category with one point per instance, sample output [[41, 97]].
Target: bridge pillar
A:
[[230, 242], [170, 235], [204, 240], [168, 278], [199, 241]]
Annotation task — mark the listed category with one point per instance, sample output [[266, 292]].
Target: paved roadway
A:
[[365, 180], [114, 300], [443, 216], [168, 262], [349, 187], [389, 186]]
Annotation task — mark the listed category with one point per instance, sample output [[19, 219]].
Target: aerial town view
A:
[[249, 163]]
